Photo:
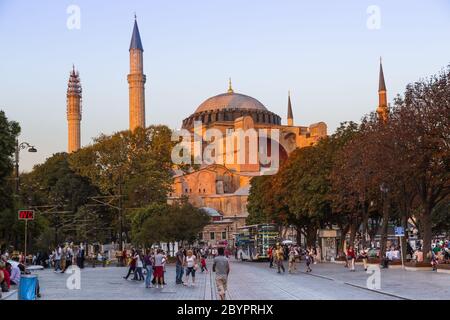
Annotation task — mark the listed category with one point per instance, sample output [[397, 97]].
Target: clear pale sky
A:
[[323, 51]]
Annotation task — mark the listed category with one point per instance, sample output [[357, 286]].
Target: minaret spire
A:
[[74, 111], [136, 80], [290, 116], [382, 110], [230, 87]]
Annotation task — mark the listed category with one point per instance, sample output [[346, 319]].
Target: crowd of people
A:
[[150, 266], [11, 270], [292, 253], [440, 254]]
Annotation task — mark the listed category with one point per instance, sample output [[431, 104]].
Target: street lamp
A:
[[384, 191], [19, 147]]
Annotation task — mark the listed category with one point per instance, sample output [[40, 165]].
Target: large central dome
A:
[[230, 100], [227, 107]]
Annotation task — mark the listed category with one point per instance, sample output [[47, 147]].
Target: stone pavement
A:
[[414, 285], [251, 281]]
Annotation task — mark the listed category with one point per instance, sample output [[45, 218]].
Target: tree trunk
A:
[[405, 238], [426, 234], [299, 235], [353, 228], [311, 236]]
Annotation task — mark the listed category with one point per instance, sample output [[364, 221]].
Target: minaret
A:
[[136, 81], [290, 117], [74, 111], [382, 109]]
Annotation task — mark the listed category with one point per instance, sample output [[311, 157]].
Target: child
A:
[[203, 263], [308, 260]]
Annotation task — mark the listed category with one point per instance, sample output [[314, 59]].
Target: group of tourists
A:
[[152, 263], [63, 256], [292, 253], [440, 253]]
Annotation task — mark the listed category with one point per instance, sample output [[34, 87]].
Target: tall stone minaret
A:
[[74, 111], [136, 81], [290, 116], [382, 110]]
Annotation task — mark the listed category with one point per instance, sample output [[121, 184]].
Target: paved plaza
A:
[[251, 281]]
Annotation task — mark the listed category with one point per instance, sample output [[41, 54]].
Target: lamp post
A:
[[19, 147], [384, 229]]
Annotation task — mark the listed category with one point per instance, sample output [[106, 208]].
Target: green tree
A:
[[177, 222], [54, 183], [9, 130], [134, 166]]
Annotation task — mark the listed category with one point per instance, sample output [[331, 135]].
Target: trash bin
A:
[[27, 287]]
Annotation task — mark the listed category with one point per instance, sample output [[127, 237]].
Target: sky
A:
[[325, 52]]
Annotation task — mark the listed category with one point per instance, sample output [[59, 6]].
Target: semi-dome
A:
[[230, 100]]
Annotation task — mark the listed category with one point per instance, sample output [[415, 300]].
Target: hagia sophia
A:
[[221, 189]]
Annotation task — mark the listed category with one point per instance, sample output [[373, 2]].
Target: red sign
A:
[[26, 215]]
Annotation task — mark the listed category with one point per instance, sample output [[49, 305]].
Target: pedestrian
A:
[[82, 255], [158, 270], [57, 258], [179, 266], [308, 259], [139, 266], [191, 266], [148, 268], [203, 264], [221, 267], [63, 258], [270, 254], [280, 257], [164, 266], [292, 256], [351, 258], [132, 267], [365, 257], [68, 256]]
